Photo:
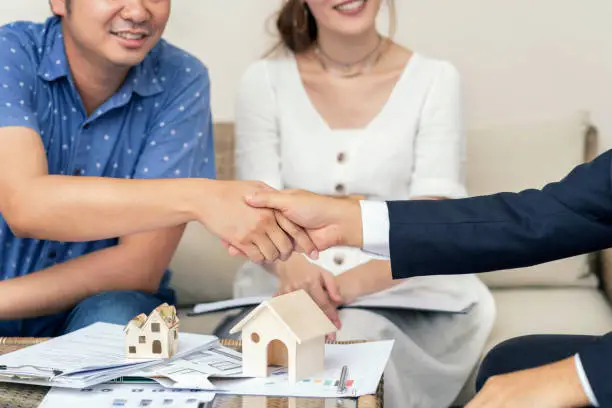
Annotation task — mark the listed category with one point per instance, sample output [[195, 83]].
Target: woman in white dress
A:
[[347, 112]]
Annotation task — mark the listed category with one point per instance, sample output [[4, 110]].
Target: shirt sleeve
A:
[[257, 153], [17, 88], [180, 143], [586, 385], [375, 225], [439, 144]]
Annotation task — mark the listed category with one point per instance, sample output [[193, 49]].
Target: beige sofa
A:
[[558, 297]]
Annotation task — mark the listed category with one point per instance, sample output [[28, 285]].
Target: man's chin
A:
[[125, 58], [127, 61]]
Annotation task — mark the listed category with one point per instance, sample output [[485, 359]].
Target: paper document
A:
[[193, 370], [126, 396], [365, 362], [88, 356], [218, 371], [414, 300]]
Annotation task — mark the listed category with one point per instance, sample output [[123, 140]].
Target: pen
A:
[[342, 381]]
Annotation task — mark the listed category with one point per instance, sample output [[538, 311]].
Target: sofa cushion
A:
[[201, 269], [569, 272], [549, 311], [515, 157]]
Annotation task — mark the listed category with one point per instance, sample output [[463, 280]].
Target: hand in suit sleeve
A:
[[507, 230]]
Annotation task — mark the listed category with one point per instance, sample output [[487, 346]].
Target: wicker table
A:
[[23, 396]]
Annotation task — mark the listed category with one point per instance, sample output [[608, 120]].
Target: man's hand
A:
[[259, 233], [297, 273], [329, 221], [553, 386]]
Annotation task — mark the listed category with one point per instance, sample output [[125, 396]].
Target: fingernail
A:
[[314, 255]]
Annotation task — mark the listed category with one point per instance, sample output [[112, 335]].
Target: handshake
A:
[[266, 225]]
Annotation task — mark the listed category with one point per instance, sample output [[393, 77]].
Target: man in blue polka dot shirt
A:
[[107, 152]]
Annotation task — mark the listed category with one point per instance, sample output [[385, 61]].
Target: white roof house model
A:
[[153, 336], [288, 331]]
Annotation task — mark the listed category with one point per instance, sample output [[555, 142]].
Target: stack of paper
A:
[[83, 358], [366, 363], [125, 395], [219, 371], [193, 370], [96, 355], [443, 294]]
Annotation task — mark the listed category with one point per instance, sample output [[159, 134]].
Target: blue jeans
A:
[[108, 307]]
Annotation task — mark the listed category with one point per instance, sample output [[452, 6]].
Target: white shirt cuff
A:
[[375, 224], [586, 385]]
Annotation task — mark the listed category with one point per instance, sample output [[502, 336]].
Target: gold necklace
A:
[[347, 70]]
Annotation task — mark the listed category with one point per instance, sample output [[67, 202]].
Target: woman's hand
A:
[[350, 287], [298, 273]]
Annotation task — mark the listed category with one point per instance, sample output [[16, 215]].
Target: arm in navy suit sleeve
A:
[[503, 231], [506, 230]]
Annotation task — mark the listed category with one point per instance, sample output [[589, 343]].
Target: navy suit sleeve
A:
[[506, 230], [502, 231]]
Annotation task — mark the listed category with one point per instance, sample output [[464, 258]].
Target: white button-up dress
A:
[[414, 147]]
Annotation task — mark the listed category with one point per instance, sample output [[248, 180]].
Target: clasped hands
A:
[[269, 227], [265, 225]]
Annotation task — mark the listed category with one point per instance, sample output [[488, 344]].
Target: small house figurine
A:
[[155, 336], [287, 331]]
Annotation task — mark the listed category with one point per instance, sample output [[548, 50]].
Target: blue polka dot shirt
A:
[[158, 125]]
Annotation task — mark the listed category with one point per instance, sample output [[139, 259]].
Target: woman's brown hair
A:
[[298, 28]]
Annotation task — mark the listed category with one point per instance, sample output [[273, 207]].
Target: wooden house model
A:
[[287, 331], [153, 336]]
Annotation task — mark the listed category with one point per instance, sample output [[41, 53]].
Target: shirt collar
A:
[[142, 78], [53, 63]]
